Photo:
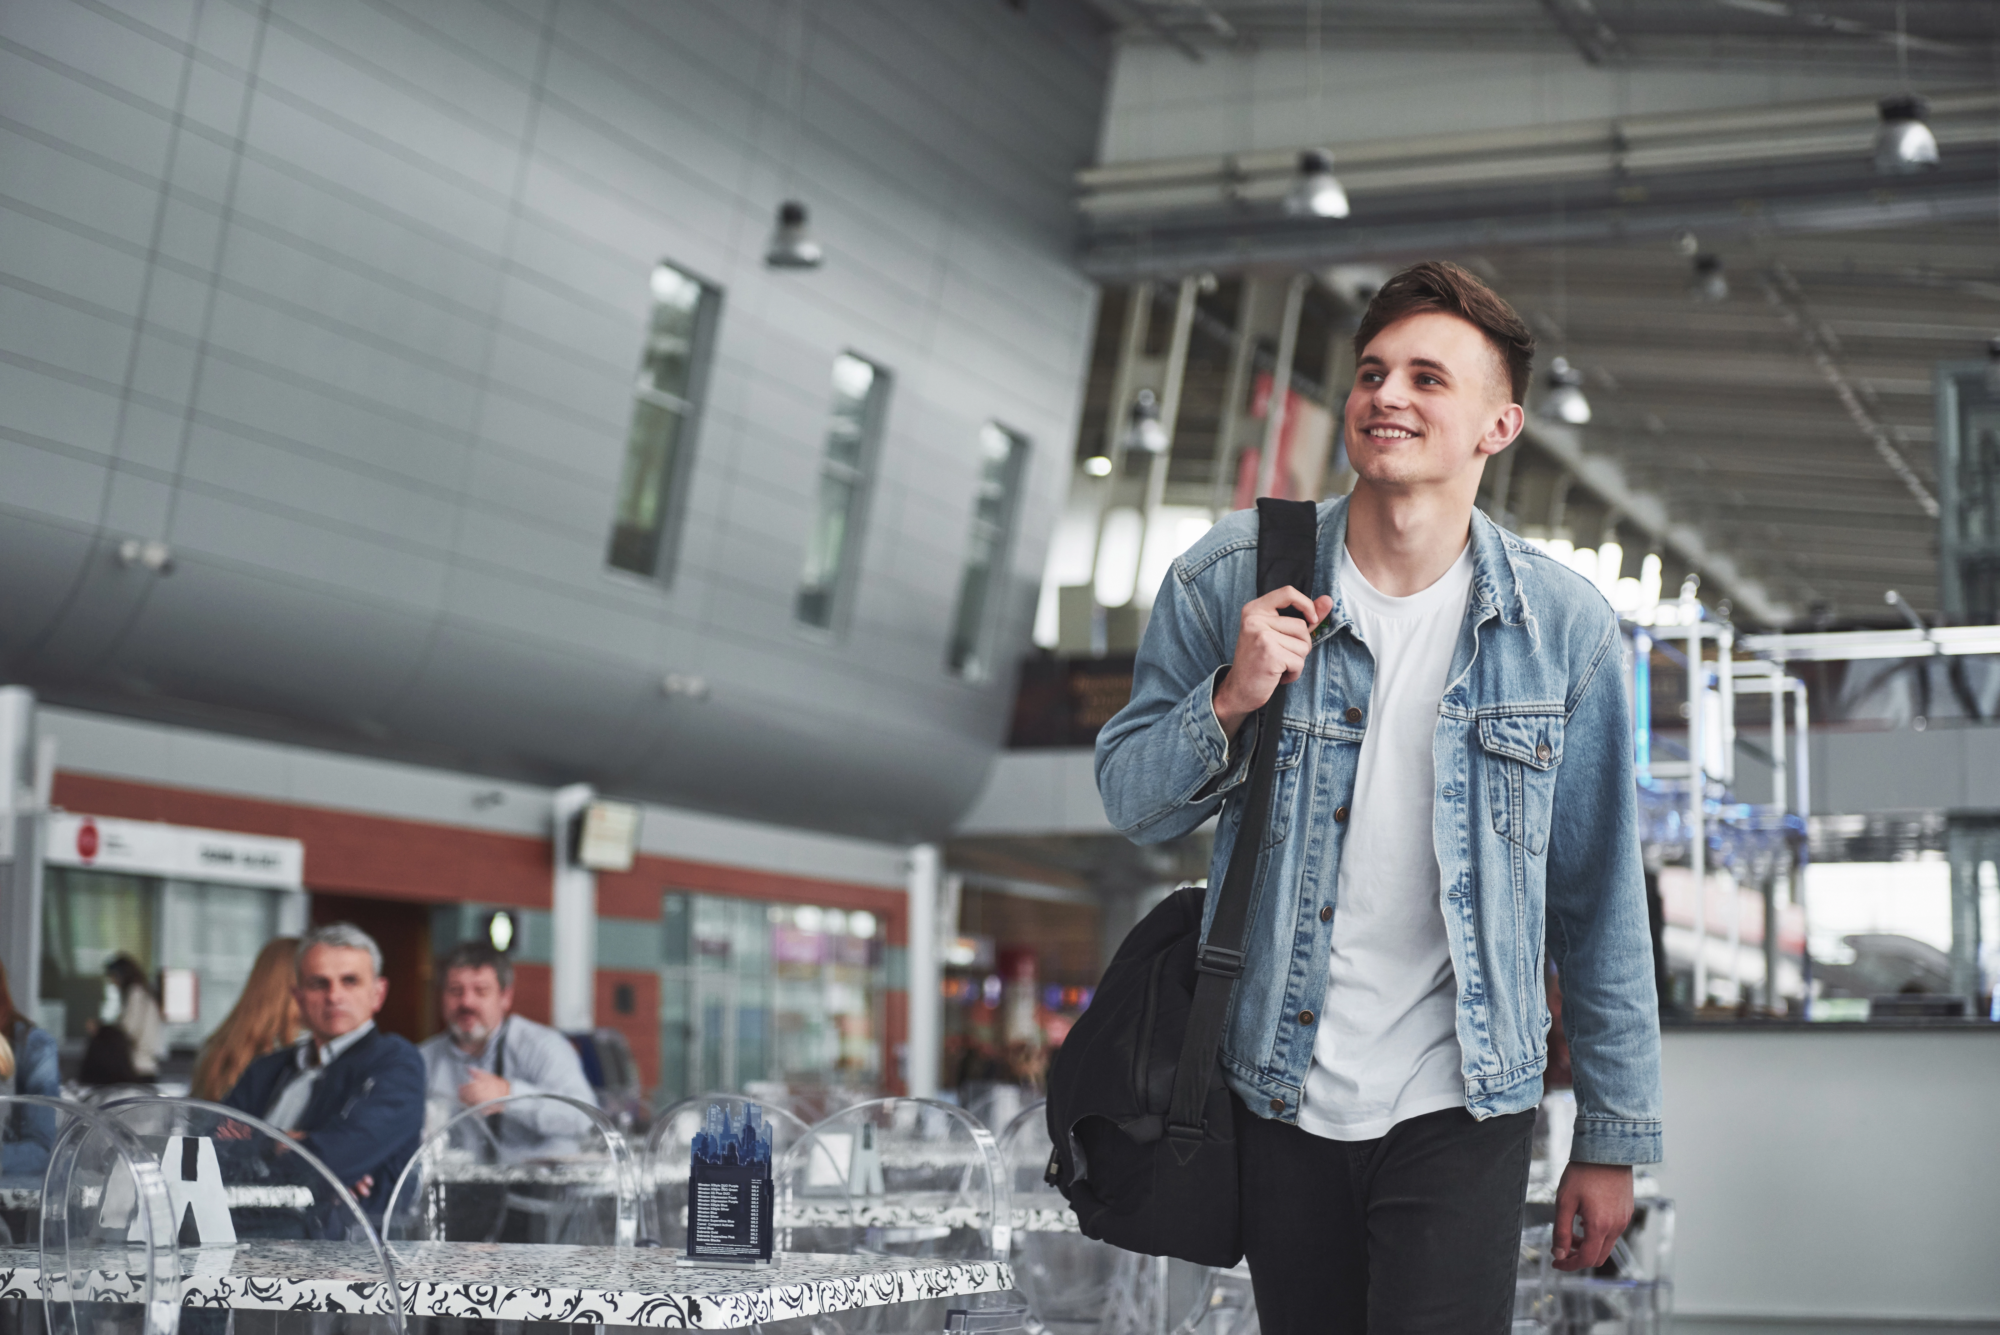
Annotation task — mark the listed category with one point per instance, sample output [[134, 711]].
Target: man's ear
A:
[[1502, 430]]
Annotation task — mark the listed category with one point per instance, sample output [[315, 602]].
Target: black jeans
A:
[[1418, 1231]]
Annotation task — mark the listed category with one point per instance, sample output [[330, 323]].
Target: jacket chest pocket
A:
[[1285, 784], [1521, 753]]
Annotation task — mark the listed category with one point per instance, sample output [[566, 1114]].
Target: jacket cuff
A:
[[1227, 764], [1609, 1140]]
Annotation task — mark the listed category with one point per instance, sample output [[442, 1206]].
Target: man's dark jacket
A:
[[366, 1114]]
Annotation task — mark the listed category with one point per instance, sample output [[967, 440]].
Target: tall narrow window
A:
[[853, 428], [665, 406], [1003, 455]]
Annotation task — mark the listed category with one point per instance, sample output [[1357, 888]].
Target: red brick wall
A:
[[346, 852], [534, 992]]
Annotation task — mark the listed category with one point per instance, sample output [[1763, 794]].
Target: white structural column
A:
[[926, 1039], [1281, 384], [23, 798], [573, 953]]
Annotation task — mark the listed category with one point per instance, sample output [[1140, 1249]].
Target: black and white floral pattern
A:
[[521, 1282]]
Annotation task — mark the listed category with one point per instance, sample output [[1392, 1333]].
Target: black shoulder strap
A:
[[1287, 550]]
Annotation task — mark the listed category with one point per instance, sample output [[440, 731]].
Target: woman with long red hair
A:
[[264, 1019]]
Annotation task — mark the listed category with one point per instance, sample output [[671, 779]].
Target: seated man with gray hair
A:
[[350, 1093], [488, 1052]]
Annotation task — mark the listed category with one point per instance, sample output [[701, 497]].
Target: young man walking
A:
[[1454, 796]]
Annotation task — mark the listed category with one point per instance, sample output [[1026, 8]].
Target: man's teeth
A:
[[1391, 433]]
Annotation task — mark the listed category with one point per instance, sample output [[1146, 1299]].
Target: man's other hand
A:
[[1598, 1195], [365, 1186], [1270, 648], [483, 1087]]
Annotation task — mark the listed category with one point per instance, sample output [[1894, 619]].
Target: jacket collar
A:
[[1496, 578], [333, 1051]]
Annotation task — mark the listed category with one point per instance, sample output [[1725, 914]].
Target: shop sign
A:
[[152, 848]]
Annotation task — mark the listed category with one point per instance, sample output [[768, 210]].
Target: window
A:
[[1002, 454], [665, 406], [754, 992], [860, 396]]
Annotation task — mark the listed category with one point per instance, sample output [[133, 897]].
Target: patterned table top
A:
[[527, 1282]]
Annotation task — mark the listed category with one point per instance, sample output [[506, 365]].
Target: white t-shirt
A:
[[1387, 1049]]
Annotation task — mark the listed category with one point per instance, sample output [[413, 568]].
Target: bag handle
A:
[[1287, 547]]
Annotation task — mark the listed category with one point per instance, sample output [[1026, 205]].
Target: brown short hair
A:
[[480, 955], [1439, 285]]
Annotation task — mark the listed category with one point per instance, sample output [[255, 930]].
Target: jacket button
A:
[[1542, 752], [1340, 815], [1353, 714], [1277, 1105], [1326, 913], [1305, 1017]]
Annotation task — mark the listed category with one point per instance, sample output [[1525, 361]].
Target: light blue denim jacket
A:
[[1535, 824]]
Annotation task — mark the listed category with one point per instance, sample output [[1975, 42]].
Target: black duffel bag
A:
[[1142, 1123]]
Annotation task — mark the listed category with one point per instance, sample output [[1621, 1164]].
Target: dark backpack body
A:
[[1109, 1090], [1142, 1123]]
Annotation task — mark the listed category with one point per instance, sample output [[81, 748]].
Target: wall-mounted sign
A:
[[180, 996], [152, 848], [609, 836]]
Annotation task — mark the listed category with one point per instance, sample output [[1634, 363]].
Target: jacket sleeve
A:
[[553, 1068], [1599, 934], [35, 1073], [380, 1120], [1163, 762]]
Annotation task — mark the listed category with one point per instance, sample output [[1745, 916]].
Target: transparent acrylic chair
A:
[[1534, 1281], [1077, 1285], [897, 1177], [269, 1238], [1633, 1292], [96, 1269], [524, 1168], [670, 1150]]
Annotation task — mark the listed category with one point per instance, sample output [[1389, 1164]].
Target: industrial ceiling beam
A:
[[1647, 512], [1129, 252]]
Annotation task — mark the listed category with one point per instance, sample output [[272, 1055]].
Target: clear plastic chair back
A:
[[670, 1152], [899, 1176], [261, 1224], [541, 1168], [95, 1226], [1078, 1285]]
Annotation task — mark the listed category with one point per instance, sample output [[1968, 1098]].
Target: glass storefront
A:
[[754, 992], [163, 923]]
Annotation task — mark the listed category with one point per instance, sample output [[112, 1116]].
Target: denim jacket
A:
[[1535, 826]]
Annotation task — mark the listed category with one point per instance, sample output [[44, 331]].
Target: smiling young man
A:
[[1454, 797]]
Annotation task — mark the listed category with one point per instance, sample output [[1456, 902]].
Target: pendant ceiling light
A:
[[792, 246], [1904, 144], [1316, 193], [1143, 431], [1709, 284], [1565, 401]]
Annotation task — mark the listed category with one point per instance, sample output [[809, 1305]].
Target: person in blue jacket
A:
[[350, 1093], [27, 1134]]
